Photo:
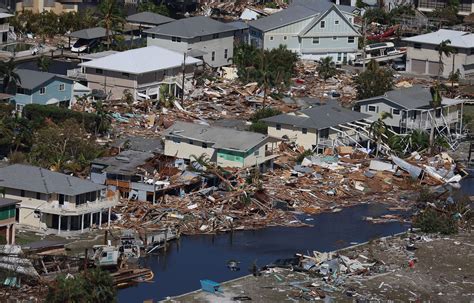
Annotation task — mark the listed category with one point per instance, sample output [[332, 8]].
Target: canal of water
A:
[[179, 269]]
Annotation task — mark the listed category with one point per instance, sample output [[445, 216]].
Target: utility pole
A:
[[182, 84], [364, 31]]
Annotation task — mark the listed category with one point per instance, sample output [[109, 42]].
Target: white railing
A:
[[4, 27], [75, 73]]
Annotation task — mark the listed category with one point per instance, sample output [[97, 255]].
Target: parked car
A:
[[399, 65], [83, 45]]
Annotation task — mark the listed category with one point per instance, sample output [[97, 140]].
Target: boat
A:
[[127, 277], [380, 52], [129, 246], [104, 255]]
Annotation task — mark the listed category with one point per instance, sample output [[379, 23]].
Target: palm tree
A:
[[444, 48], [6, 132], [43, 63], [378, 130], [102, 116], [326, 70], [436, 99], [110, 18], [10, 78]]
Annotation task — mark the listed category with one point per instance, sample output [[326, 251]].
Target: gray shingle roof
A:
[[287, 16], [31, 79], [220, 137], [36, 179], [149, 18], [413, 97], [322, 5], [7, 202], [89, 33], [321, 116], [125, 163], [191, 27]]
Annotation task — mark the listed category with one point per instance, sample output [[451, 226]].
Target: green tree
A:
[[375, 81], [43, 63], [110, 17], [103, 117], [444, 48], [259, 126], [436, 99], [326, 70], [10, 78], [161, 9], [379, 129]]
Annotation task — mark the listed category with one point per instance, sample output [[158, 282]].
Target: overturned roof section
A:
[[413, 97], [218, 137], [149, 18], [40, 180], [191, 27], [125, 163], [31, 79], [141, 60], [457, 38], [90, 33], [318, 117]]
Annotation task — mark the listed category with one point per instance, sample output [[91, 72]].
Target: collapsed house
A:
[[225, 147], [411, 109], [325, 125], [53, 202]]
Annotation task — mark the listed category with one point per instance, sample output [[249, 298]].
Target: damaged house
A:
[[311, 29], [56, 203], [225, 147], [325, 125], [411, 109]]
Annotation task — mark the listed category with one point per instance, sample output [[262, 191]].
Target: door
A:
[[418, 66]]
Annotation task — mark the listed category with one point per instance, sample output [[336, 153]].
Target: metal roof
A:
[[322, 5], [149, 18], [90, 33], [413, 97], [191, 27], [40, 180], [125, 163], [219, 137], [320, 116], [31, 79], [97, 55], [141, 60], [457, 38]]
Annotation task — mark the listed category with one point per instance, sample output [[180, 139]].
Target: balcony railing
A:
[[4, 27]]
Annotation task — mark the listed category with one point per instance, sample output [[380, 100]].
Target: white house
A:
[[200, 37], [55, 202], [423, 58]]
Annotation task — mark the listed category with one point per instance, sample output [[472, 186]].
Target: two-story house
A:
[[225, 147], [423, 58], [316, 30], [140, 71], [411, 109], [201, 37], [6, 35], [42, 88], [325, 125], [8, 219], [56, 203]]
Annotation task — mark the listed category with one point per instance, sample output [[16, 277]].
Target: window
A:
[[413, 116], [256, 153], [339, 57], [350, 39], [323, 24], [395, 111], [334, 38], [38, 196], [191, 142], [285, 37], [336, 22], [42, 91], [204, 145], [315, 40], [215, 36], [22, 193], [304, 130], [372, 108], [176, 39], [278, 126], [226, 53], [472, 51], [438, 113], [176, 140], [417, 45], [153, 36], [271, 38], [213, 56], [126, 75], [62, 87], [350, 20], [324, 133], [99, 71]]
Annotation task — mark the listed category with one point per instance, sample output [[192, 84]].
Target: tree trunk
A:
[[432, 135]]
